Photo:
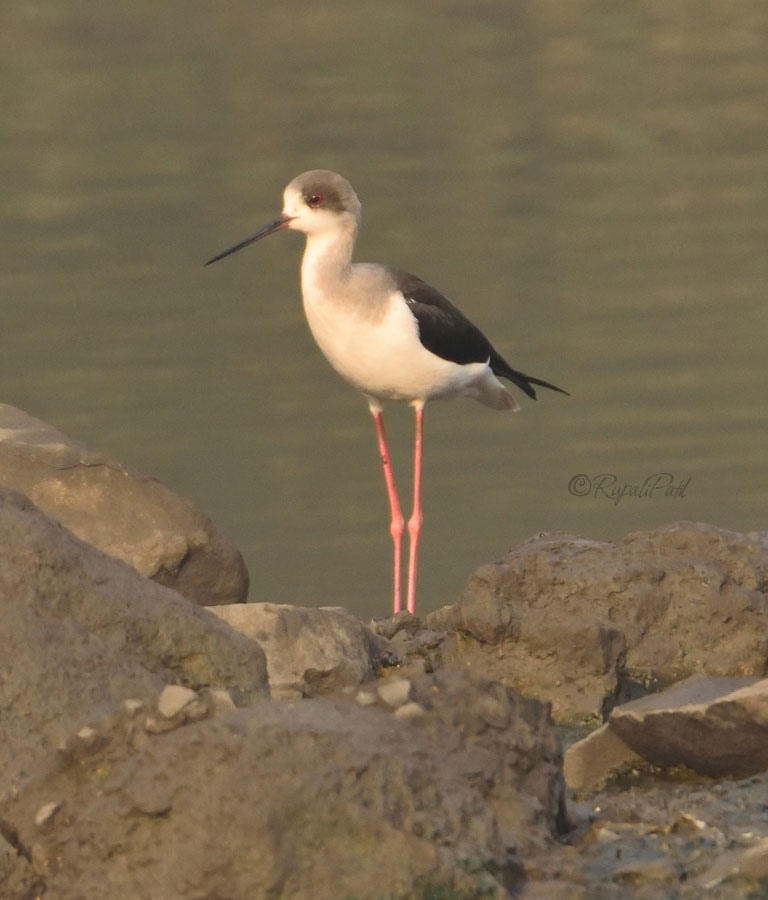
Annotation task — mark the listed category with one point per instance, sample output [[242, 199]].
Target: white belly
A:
[[383, 356]]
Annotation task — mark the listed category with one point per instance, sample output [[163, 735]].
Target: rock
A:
[[321, 799], [691, 825], [446, 618], [177, 705], [82, 632], [590, 762], [586, 624], [309, 652], [484, 711], [749, 863], [401, 621], [484, 615], [404, 643], [88, 736], [395, 691], [366, 698], [410, 711], [174, 699], [714, 726], [44, 816], [121, 512]]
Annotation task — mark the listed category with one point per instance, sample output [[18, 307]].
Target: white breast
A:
[[380, 352]]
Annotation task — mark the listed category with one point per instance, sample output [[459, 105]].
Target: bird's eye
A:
[[315, 200]]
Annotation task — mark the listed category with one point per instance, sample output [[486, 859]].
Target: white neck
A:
[[327, 260]]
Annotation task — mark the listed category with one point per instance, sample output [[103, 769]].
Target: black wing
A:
[[445, 331]]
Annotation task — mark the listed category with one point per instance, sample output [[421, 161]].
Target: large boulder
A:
[[321, 798], [81, 631], [309, 651], [127, 515], [586, 624], [715, 726]]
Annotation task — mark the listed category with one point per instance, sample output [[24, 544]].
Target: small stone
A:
[[410, 711], [44, 815], [173, 698], [365, 698], [87, 735], [133, 706], [395, 691], [176, 706], [603, 835], [687, 824]]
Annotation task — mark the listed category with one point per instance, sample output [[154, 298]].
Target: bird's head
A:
[[320, 201], [314, 202]]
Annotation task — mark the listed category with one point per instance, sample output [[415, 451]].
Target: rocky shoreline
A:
[[152, 747]]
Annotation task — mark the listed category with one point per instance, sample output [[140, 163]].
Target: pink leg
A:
[[414, 523], [396, 524]]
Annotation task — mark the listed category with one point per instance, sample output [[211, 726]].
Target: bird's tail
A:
[[524, 382]]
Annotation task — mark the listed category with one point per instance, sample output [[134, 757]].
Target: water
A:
[[588, 181]]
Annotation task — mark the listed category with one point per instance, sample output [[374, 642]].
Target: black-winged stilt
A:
[[388, 333]]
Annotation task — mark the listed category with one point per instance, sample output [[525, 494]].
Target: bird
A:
[[388, 333]]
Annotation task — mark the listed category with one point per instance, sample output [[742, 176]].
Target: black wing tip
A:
[[547, 384], [526, 382]]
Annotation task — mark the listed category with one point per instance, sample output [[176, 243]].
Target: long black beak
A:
[[279, 223]]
